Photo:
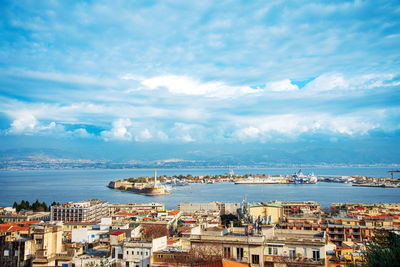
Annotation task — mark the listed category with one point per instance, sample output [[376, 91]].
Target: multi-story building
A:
[[135, 207], [22, 216], [294, 207], [188, 208], [85, 211], [47, 244], [272, 247], [266, 212], [15, 253], [137, 254]]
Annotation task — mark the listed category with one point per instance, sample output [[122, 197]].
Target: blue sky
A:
[[185, 76]]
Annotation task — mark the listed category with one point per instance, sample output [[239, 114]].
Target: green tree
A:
[[383, 250]]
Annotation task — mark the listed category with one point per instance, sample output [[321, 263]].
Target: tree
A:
[[155, 231], [383, 250], [201, 253], [227, 218]]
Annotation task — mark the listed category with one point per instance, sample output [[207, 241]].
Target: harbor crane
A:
[[393, 172]]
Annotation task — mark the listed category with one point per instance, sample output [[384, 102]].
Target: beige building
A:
[[188, 208], [270, 247], [47, 243], [12, 217], [134, 207], [269, 213]]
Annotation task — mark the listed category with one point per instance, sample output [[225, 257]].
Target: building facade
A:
[[85, 211]]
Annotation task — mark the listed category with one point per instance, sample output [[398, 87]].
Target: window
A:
[[127, 252], [227, 252], [275, 251], [137, 252], [127, 264], [269, 251], [239, 253], [255, 259], [6, 253], [147, 253], [16, 253], [315, 254], [292, 253]]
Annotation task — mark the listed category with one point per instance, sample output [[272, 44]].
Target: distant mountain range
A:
[[59, 159]]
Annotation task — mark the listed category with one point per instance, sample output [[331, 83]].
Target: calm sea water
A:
[[76, 185]]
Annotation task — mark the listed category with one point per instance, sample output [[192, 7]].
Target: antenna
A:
[[155, 177]]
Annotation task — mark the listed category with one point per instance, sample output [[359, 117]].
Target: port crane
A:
[[391, 172]]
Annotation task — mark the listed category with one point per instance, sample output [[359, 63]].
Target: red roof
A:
[[117, 233], [174, 212], [5, 228]]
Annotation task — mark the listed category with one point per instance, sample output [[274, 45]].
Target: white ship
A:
[[300, 178], [268, 180]]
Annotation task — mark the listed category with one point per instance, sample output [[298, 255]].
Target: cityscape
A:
[[199, 133]]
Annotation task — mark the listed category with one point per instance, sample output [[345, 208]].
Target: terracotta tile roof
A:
[[5, 228], [174, 212], [117, 233]]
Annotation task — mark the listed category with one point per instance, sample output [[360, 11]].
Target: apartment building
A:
[[47, 244], [84, 211], [270, 247], [188, 208], [135, 207], [137, 253]]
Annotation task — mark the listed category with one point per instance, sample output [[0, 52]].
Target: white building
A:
[[138, 253], [85, 211], [85, 235]]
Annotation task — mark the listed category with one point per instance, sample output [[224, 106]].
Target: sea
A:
[[77, 185]]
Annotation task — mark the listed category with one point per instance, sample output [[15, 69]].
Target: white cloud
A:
[[162, 136], [292, 125], [62, 77], [81, 132], [248, 133], [337, 81], [327, 82], [25, 122], [143, 135], [119, 131], [185, 85], [281, 86]]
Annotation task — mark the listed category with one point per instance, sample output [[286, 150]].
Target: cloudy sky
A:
[[169, 79]]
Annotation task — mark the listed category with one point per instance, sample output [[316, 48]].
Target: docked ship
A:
[[268, 180], [300, 178]]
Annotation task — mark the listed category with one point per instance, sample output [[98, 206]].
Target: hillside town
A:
[[259, 234]]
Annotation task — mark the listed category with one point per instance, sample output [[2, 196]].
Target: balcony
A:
[[336, 232], [306, 262]]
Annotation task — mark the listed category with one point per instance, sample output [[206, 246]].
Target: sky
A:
[[270, 81]]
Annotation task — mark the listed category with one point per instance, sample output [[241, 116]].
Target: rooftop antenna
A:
[[155, 177]]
